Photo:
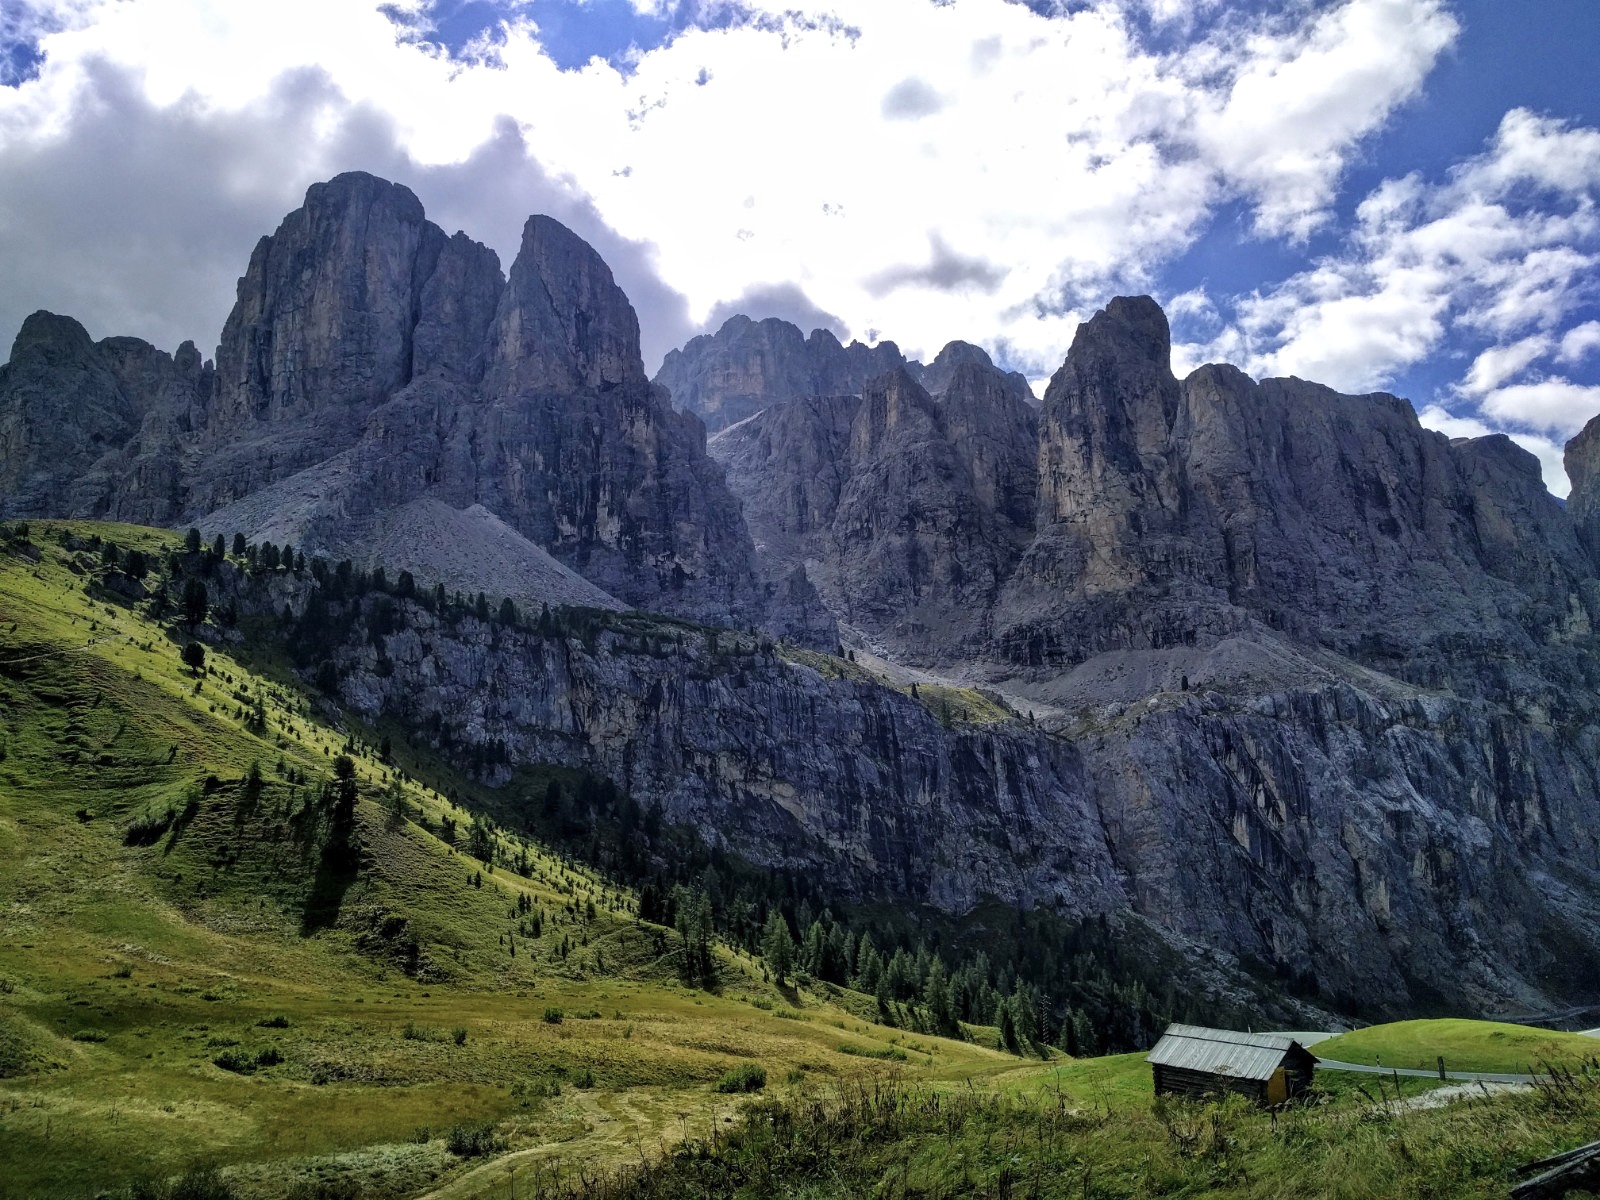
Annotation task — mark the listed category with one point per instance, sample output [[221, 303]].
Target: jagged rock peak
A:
[[325, 312], [48, 336], [1582, 460], [563, 324]]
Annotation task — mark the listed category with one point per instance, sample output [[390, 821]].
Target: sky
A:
[[1395, 195]]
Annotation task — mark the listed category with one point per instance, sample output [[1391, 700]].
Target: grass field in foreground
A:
[[210, 990], [1465, 1046]]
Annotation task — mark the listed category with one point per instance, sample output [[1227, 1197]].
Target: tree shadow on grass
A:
[[336, 871]]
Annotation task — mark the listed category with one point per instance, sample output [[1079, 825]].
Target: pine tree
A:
[[195, 602], [777, 947]]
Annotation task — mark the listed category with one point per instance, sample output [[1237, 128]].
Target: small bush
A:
[[747, 1077], [554, 1015], [202, 1183], [241, 1062], [147, 828], [422, 1135], [417, 1033], [459, 1035], [473, 1141], [326, 1189], [89, 1035], [583, 1079], [278, 1022], [893, 1053], [123, 971]]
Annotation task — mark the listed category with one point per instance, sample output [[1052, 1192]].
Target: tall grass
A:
[[884, 1137]]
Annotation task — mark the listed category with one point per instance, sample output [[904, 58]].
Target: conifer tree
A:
[[777, 947]]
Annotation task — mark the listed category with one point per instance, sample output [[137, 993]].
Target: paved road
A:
[[1324, 1064]]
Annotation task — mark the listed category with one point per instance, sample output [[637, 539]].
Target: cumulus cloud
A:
[[1329, 80], [1502, 247], [1558, 406], [1062, 156], [1499, 363], [1579, 342]]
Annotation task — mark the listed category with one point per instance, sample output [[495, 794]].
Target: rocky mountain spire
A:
[[562, 323]]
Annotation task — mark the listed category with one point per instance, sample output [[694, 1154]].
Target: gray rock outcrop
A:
[[369, 363], [749, 365], [1583, 469], [908, 512]]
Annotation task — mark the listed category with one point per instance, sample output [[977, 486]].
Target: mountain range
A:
[[1310, 690]]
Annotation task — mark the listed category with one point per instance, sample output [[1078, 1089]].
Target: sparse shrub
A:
[[241, 1062], [892, 1053], [747, 1077], [554, 1016], [326, 1189], [459, 1035], [201, 1183], [236, 1061], [148, 826], [275, 1022], [123, 971], [422, 1135], [417, 1033], [89, 1035], [473, 1141]]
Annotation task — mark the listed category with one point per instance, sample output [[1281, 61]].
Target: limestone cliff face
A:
[[1408, 849], [1583, 469], [748, 365], [90, 428], [908, 511], [1172, 513], [371, 363], [563, 325]]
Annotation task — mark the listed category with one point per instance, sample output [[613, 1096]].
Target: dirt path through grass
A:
[[617, 1128]]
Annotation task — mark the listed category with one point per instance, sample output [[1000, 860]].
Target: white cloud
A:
[[1558, 406], [1579, 342], [1506, 245], [1297, 100], [1054, 158], [1499, 363]]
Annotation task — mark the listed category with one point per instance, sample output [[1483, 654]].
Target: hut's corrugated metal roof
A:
[[1221, 1051]]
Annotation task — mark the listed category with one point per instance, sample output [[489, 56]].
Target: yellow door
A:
[[1277, 1087]]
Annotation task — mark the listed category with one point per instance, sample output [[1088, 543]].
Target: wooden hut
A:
[[1270, 1068]]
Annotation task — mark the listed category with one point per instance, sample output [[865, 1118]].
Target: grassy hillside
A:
[[192, 969], [1464, 1045]]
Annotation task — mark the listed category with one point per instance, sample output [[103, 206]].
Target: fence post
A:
[[1441, 1066]]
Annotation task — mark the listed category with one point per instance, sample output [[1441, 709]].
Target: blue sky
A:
[[1394, 194]]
